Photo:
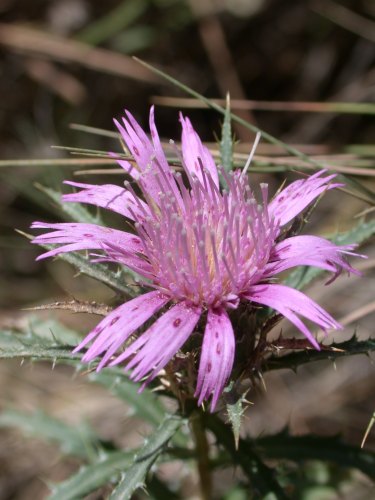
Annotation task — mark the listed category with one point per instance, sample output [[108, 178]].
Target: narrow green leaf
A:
[[115, 21], [11, 347], [79, 441], [154, 445], [52, 330], [146, 405], [310, 447], [342, 349], [303, 275], [93, 476], [226, 143], [99, 272], [369, 427], [263, 479]]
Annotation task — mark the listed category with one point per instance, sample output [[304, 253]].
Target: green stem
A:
[[202, 453]]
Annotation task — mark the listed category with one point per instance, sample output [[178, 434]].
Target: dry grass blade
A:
[[345, 18], [296, 106], [358, 313], [31, 41], [60, 162]]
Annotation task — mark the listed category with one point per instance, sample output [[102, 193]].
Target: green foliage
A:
[[332, 352], [310, 447], [145, 405], [262, 478], [99, 272], [226, 142], [108, 468], [236, 406], [16, 345], [154, 445], [79, 441]]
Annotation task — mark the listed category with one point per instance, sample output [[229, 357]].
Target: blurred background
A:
[[65, 62]]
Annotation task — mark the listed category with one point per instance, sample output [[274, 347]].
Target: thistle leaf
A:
[[79, 441], [154, 446], [235, 404], [93, 476], [262, 478], [339, 350], [146, 405], [311, 447]]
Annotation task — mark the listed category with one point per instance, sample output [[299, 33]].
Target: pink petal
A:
[[156, 175], [293, 199], [217, 357], [161, 341], [109, 196], [118, 325], [79, 236], [193, 150], [289, 303], [314, 251], [129, 167]]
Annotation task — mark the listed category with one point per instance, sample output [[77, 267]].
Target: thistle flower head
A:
[[201, 249]]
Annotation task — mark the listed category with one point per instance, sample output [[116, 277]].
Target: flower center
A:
[[208, 246]]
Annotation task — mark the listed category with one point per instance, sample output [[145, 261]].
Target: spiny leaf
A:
[[93, 476], [263, 479], [99, 272], [13, 346], [339, 350], [235, 404], [311, 447], [79, 441], [154, 445], [51, 330], [303, 275], [145, 404]]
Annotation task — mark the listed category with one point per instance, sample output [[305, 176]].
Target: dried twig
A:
[[77, 306]]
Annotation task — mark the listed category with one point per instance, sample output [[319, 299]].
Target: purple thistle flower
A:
[[201, 250]]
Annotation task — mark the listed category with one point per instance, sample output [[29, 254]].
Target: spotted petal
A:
[[217, 356], [109, 196], [79, 236], [307, 250], [118, 325], [161, 341], [293, 199]]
